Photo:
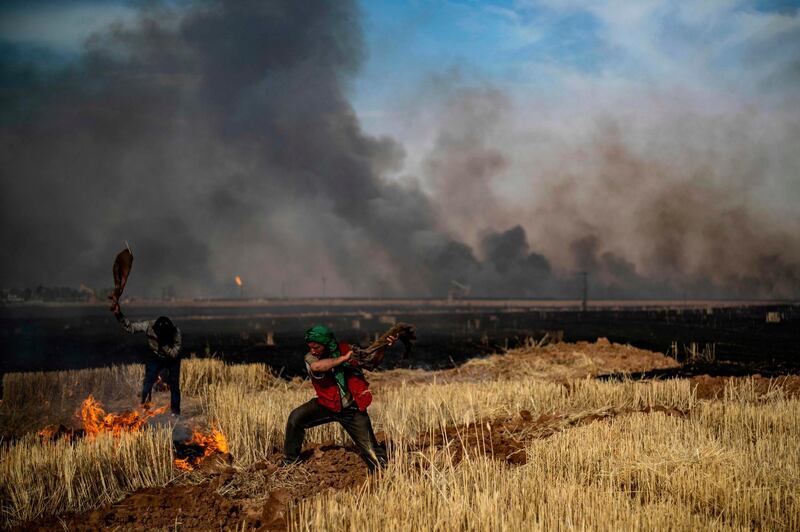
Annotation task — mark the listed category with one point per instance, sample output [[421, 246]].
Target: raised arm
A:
[[327, 364], [130, 326]]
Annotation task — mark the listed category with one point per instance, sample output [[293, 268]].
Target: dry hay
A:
[[610, 455]]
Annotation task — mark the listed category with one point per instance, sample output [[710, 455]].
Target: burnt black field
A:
[[50, 337]]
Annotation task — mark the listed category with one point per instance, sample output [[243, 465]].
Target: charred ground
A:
[[758, 338]]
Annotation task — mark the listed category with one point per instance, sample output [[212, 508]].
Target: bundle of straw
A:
[[372, 356]]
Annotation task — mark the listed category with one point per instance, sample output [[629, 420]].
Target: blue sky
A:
[[573, 61], [491, 40], [523, 43], [540, 43]]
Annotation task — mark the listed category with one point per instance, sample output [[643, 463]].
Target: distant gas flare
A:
[[202, 446], [238, 281]]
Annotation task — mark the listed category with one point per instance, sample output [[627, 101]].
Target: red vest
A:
[[328, 391]]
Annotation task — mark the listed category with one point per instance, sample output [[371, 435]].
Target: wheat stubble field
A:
[[525, 440]]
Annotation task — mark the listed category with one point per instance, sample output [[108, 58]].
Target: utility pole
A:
[[585, 298], [323, 287]]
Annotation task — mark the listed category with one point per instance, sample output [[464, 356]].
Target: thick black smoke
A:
[[219, 141]]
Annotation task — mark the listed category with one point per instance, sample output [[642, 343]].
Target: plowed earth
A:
[[259, 497]]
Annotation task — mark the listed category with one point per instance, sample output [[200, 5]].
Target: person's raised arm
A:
[[327, 364], [129, 326]]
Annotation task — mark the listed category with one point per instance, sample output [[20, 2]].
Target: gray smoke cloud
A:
[[661, 203], [218, 140]]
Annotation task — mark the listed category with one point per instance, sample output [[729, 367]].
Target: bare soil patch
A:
[[505, 438], [174, 507]]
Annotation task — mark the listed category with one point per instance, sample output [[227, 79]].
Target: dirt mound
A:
[[331, 467], [323, 467], [173, 507], [558, 362], [256, 498]]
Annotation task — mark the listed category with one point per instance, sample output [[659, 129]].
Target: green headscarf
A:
[[322, 335]]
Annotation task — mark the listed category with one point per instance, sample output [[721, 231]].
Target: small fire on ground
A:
[[199, 447], [95, 421], [189, 454]]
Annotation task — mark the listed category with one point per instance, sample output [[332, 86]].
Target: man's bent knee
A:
[[295, 419]]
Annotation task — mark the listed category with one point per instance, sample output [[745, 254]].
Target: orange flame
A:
[[48, 432], [51, 432], [212, 443], [95, 420], [238, 281], [183, 464]]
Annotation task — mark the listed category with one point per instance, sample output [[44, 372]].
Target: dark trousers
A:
[[152, 367], [356, 423]]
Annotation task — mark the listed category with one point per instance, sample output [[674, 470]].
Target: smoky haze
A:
[[218, 140]]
